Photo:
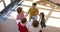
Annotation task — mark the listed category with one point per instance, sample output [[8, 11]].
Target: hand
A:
[[36, 13], [26, 15]]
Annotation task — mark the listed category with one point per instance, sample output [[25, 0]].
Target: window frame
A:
[[10, 5]]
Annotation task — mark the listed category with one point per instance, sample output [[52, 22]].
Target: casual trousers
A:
[[33, 17]]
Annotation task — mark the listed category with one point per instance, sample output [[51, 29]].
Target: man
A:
[[33, 11]]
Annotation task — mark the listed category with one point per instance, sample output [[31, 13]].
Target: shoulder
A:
[[19, 23]]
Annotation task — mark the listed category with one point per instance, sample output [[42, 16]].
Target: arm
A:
[[43, 22], [19, 26], [37, 12], [24, 12], [27, 12]]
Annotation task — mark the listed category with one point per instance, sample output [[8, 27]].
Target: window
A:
[[7, 2], [1, 6]]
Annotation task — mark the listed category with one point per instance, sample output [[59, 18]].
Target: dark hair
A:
[[19, 9], [35, 23], [34, 4], [42, 14], [23, 20]]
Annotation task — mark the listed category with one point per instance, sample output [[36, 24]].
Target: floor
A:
[[52, 14], [51, 29]]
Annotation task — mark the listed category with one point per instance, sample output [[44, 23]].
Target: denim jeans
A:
[[33, 17]]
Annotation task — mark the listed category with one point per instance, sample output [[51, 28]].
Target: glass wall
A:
[[1, 5], [6, 4]]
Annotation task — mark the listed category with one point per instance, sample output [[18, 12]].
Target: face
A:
[[40, 16], [33, 5], [21, 11]]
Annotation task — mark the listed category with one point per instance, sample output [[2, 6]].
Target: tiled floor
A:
[[52, 15]]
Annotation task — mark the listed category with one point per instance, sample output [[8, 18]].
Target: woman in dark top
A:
[[42, 19]]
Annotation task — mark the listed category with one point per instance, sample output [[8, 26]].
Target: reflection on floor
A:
[[52, 16]]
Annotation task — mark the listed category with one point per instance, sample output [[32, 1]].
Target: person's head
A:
[[34, 4], [24, 20], [35, 23], [41, 15], [19, 9]]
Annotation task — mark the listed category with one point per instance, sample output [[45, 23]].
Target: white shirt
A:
[[29, 24], [33, 29]]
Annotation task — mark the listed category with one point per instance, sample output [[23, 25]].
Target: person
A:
[[33, 11], [20, 13], [22, 25], [42, 20], [35, 27]]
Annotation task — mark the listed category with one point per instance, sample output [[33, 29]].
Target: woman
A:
[[42, 19]]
